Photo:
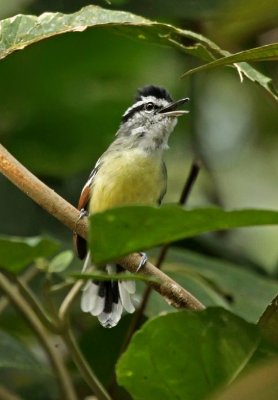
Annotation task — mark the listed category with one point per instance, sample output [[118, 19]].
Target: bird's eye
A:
[[149, 107]]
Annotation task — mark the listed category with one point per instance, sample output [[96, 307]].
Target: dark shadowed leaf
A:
[[186, 355], [269, 322], [121, 231], [247, 299], [17, 252], [15, 355]]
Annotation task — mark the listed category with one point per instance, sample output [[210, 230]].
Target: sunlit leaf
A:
[[22, 30], [120, 231], [186, 355], [17, 252], [60, 262]]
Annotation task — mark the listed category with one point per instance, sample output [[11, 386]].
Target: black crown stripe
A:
[[155, 91]]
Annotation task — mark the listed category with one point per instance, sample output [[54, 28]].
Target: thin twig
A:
[[68, 300], [63, 378], [32, 301], [25, 277], [6, 394], [191, 179], [84, 368]]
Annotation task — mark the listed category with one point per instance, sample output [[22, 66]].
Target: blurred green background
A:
[[61, 103], [62, 100]]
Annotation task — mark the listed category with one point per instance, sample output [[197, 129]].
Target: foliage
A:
[[62, 96], [179, 349], [140, 227]]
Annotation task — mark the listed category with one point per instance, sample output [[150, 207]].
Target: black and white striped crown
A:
[[156, 94]]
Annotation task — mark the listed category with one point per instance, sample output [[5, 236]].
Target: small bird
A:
[[130, 171]]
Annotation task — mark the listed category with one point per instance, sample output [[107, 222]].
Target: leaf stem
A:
[[32, 301], [68, 300]]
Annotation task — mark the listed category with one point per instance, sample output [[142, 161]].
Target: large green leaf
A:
[[186, 355], [121, 231], [22, 30], [15, 355], [16, 253]]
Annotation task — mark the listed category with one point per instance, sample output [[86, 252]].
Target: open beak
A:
[[171, 109]]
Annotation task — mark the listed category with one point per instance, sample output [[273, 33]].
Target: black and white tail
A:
[[107, 299]]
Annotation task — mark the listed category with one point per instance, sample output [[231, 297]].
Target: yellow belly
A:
[[128, 178]]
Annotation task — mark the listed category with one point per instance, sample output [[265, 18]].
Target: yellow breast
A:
[[131, 177]]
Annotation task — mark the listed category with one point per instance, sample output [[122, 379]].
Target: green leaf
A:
[[263, 53], [259, 384], [16, 252], [186, 355], [269, 322], [23, 30], [269, 52], [259, 290], [60, 262], [15, 355], [121, 231], [117, 277]]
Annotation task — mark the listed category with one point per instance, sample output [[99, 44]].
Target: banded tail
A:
[[107, 299]]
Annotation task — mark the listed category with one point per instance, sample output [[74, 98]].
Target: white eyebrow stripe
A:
[[148, 99]]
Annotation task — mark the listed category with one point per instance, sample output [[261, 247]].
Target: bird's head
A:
[[152, 117]]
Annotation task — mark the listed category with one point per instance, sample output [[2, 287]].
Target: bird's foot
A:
[[144, 259]]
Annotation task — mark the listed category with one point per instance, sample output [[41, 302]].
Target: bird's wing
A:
[[164, 188], [80, 244]]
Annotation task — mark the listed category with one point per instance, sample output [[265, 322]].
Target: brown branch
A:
[[6, 394], [173, 293], [40, 193]]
